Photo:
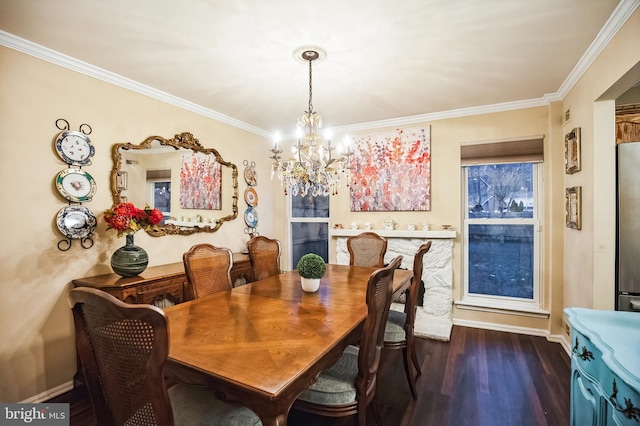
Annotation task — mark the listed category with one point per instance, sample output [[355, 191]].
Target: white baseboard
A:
[[501, 327], [556, 338], [566, 344], [50, 393]]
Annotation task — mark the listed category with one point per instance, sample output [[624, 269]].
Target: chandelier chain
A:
[[310, 87]]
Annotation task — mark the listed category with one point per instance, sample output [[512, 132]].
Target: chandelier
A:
[[312, 168]]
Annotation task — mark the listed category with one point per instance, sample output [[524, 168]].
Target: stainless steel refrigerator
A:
[[628, 227]]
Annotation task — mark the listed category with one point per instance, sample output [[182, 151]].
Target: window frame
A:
[[291, 219], [506, 304], [151, 195]]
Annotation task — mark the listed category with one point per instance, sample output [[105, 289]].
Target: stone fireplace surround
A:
[[434, 317]]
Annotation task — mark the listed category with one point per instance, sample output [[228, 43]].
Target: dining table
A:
[[264, 343]]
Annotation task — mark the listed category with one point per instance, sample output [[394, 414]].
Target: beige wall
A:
[[589, 268], [36, 331]]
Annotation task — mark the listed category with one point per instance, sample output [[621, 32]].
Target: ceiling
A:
[[386, 61]]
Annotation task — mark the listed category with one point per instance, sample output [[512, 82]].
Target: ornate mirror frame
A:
[[183, 140]]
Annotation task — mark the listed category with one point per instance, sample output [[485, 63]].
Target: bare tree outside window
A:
[[501, 252], [500, 190]]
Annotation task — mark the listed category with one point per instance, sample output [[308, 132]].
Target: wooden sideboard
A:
[[162, 285]]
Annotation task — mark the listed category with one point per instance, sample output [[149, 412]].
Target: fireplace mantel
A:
[[434, 317], [396, 233]]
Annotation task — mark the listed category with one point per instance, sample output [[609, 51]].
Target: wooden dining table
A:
[[264, 343]]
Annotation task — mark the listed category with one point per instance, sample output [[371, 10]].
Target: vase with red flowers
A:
[[126, 219]]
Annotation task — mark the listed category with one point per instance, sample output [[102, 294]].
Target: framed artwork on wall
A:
[[200, 182], [572, 151], [391, 171], [574, 207]]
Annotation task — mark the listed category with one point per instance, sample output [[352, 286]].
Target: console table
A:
[[162, 285], [605, 367]]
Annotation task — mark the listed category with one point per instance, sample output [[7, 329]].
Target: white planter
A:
[[310, 285]]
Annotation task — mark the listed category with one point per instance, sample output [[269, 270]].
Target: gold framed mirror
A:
[[193, 186]]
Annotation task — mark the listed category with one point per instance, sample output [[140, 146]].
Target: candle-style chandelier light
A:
[[312, 168]]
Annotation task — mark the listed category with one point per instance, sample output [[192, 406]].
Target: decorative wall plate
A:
[[250, 175], [251, 197], [251, 217], [74, 148], [76, 185], [76, 222]]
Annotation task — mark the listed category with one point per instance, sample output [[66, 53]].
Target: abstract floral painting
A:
[[200, 182], [391, 171]]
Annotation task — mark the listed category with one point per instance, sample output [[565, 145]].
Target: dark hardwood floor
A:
[[479, 378]]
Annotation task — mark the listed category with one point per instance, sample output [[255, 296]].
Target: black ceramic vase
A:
[[129, 260]]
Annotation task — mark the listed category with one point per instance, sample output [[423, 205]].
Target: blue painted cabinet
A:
[[605, 367], [584, 400]]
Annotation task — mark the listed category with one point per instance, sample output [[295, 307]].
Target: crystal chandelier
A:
[[312, 168]]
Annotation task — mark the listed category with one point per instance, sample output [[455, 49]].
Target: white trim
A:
[[505, 304], [511, 309], [562, 339], [444, 234], [555, 338], [502, 327], [49, 55], [617, 19], [50, 393], [291, 220], [443, 115]]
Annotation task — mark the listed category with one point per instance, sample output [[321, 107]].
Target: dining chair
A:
[[349, 386], [208, 270], [122, 350], [398, 332], [367, 249], [264, 254]]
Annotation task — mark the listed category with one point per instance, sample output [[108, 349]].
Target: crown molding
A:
[[617, 19], [57, 58], [443, 115]]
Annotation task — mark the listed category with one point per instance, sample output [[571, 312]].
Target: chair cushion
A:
[[335, 385], [394, 329], [198, 406]]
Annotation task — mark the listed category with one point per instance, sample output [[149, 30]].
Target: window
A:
[[309, 221], [501, 232], [159, 184]]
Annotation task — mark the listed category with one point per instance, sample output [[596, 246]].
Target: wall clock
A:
[[74, 148]]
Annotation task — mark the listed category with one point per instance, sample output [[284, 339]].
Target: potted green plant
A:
[[311, 268]]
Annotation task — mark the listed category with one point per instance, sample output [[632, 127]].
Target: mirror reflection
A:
[[196, 190]]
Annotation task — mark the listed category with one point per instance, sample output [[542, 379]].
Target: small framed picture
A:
[[572, 151], [122, 180], [574, 207]]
